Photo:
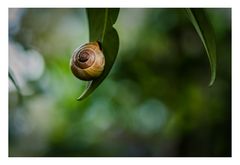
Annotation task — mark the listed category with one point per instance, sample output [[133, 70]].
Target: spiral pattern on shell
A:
[[87, 62]]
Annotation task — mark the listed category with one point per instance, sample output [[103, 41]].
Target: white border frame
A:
[[4, 159]]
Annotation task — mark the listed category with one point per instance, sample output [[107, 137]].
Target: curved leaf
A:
[[205, 31], [13, 79], [101, 29]]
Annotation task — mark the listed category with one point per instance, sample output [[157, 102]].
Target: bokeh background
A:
[[155, 101]]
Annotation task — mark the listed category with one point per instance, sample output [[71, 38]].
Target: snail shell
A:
[[87, 62]]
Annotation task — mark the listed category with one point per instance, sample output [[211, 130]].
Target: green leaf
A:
[[12, 78], [101, 29], [205, 31]]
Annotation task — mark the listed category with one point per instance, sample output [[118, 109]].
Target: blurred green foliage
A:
[[155, 101]]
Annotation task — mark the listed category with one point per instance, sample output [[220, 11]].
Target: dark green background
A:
[[155, 101]]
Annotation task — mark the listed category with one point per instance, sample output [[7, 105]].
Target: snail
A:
[[87, 62]]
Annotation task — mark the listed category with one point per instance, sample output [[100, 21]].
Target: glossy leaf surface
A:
[[101, 29], [205, 31]]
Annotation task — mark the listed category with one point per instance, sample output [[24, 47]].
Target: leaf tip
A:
[[79, 98], [213, 78], [82, 96], [211, 83]]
